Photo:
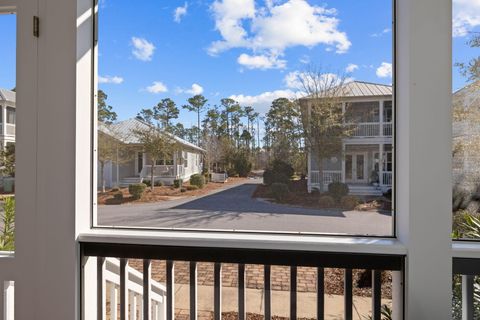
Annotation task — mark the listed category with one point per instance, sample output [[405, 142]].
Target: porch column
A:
[[380, 163], [344, 147], [175, 165], [4, 122], [382, 102]]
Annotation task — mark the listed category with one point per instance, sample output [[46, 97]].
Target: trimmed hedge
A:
[[349, 202], [197, 180], [338, 190], [177, 183], [137, 190], [326, 201], [279, 191]]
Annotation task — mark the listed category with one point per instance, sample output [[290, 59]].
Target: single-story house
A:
[[186, 161], [366, 160]]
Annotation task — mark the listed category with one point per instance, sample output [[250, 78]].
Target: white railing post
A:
[[113, 302]]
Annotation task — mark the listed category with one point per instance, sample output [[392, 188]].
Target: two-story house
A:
[[366, 161], [7, 117]]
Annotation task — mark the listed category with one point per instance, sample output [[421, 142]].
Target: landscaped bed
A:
[[161, 193], [298, 196]]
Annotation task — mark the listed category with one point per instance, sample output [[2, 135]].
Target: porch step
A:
[[364, 190]]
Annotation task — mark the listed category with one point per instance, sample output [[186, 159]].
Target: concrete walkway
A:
[[234, 209]]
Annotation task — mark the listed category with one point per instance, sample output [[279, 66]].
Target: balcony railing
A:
[[265, 260], [165, 171], [370, 129]]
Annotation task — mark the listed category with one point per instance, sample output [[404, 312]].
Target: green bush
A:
[[338, 190], [115, 189], [242, 165], [158, 183], [7, 235], [136, 190], [177, 183], [349, 202], [208, 177], [118, 196], [192, 187], [278, 172], [279, 191], [231, 172], [326, 201], [197, 180], [183, 190], [147, 183]]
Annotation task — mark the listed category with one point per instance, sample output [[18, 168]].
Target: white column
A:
[[424, 189], [4, 115], [380, 163], [382, 102]]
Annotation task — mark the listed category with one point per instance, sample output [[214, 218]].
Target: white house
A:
[[185, 162], [366, 162], [7, 116]]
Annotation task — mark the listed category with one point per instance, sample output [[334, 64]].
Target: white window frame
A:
[[55, 168]]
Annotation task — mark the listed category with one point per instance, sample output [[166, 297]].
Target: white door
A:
[[356, 167]]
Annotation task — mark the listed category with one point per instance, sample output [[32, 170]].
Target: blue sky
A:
[[246, 49]]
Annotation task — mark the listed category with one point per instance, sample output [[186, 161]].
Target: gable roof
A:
[[7, 95], [366, 89], [124, 131], [468, 96]]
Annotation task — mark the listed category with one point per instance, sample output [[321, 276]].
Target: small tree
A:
[[322, 115], [7, 156], [111, 150], [157, 144]]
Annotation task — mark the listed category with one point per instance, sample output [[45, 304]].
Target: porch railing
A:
[[370, 129], [330, 176], [293, 260], [114, 270], [167, 171], [387, 178]]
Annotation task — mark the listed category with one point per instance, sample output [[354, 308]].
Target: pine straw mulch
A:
[[299, 196], [163, 193]]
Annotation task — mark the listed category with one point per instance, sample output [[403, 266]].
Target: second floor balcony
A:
[[370, 129]]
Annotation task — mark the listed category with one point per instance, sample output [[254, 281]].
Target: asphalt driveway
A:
[[233, 208]]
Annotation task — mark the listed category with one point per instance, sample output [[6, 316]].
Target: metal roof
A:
[[7, 95], [365, 89], [124, 131]]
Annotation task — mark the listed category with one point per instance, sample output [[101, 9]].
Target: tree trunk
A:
[[152, 183], [102, 168]]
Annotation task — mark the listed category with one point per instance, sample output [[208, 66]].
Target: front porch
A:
[[365, 168]]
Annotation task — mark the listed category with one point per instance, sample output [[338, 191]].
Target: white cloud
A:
[[275, 27], [466, 16], [180, 12], [263, 62], [110, 79], [194, 90], [351, 68], [305, 59], [385, 70], [142, 49], [379, 34], [262, 101], [157, 87]]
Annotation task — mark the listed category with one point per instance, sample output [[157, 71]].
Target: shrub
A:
[[278, 172], [136, 190], [338, 190], [283, 167], [197, 180], [279, 191], [7, 233], [192, 187], [326, 202], [231, 172], [118, 196], [207, 177], [349, 202], [183, 190], [177, 183], [115, 189], [147, 183], [242, 165], [158, 183]]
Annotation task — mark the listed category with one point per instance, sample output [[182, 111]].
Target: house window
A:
[[387, 112], [10, 115]]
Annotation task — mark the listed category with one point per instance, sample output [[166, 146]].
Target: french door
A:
[[356, 167]]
